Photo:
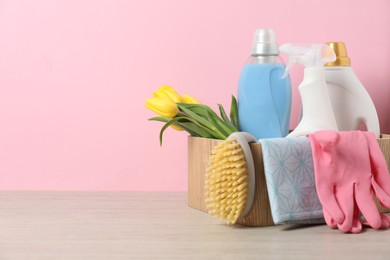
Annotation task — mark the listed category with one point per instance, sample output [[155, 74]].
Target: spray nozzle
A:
[[309, 55]]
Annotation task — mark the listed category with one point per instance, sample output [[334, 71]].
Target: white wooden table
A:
[[125, 225]]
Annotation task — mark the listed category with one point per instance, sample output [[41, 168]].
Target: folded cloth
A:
[[289, 172]]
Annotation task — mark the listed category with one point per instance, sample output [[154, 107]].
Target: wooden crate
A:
[[199, 150]]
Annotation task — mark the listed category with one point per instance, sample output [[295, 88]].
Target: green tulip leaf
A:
[[233, 127], [226, 127], [234, 113], [185, 127], [211, 117], [187, 109], [223, 113], [161, 119], [196, 128]]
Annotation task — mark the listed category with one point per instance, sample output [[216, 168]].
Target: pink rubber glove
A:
[[348, 167]]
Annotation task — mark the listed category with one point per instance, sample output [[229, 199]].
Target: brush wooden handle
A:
[[244, 139]]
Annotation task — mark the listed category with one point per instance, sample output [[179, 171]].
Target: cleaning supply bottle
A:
[[264, 98], [317, 112], [352, 105]]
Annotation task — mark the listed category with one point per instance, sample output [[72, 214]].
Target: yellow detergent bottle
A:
[[351, 103]]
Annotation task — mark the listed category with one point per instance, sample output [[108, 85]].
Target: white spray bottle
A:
[[317, 111]]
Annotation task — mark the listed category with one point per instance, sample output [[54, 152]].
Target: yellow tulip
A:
[[189, 99], [164, 108], [164, 103], [168, 93], [177, 128]]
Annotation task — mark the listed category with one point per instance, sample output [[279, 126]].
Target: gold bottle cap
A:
[[342, 58]]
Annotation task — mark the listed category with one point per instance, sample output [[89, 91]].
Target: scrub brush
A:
[[230, 178]]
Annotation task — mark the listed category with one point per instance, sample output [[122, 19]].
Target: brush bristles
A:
[[226, 181]]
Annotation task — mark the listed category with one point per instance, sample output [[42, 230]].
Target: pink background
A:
[[74, 76]]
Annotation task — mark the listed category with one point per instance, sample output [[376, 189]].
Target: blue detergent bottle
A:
[[264, 98]]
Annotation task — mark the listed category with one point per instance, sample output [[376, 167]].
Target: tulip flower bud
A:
[[189, 99], [164, 108], [177, 128], [167, 93]]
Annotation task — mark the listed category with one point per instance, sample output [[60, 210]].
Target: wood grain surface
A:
[[85, 225]]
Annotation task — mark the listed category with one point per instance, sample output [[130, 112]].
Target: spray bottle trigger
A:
[[288, 67], [285, 74]]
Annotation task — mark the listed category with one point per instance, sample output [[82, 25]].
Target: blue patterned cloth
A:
[[289, 173]]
